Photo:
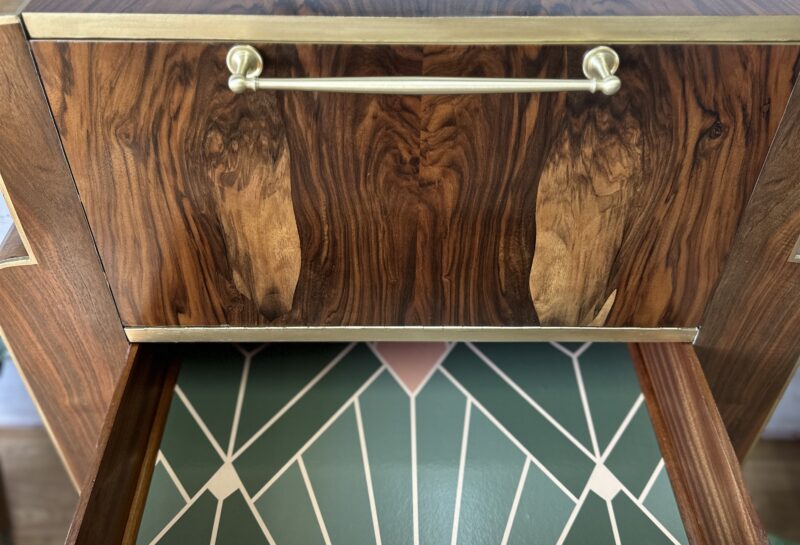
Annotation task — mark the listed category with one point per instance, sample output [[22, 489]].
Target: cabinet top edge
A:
[[418, 8], [484, 30]]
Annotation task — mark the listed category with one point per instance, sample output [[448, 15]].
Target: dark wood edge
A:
[[111, 500], [701, 463], [149, 461]]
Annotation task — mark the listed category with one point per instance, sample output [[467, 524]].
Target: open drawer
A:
[[435, 443]]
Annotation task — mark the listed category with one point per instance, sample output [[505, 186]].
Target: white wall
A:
[[5, 218]]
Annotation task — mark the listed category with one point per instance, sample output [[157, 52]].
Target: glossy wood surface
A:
[[750, 340], [431, 8], [57, 316], [126, 452], [559, 209], [701, 463]]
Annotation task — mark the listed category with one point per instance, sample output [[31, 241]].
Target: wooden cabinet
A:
[[661, 211]]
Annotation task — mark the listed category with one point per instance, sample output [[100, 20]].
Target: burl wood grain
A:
[[705, 475], [675, 154], [555, 209], [749, 344], [244, 161], [197, 188], [58, 315], [431, 8]]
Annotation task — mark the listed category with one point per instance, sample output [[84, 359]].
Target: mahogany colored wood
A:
[[749, 343], [700, 461], [126, 455], [57, 315], [553, 209], [430, 8]]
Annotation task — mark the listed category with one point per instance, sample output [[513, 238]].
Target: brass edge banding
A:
[[416, 30], [6, 19], [17, 261], [409, 333], [795, 257]]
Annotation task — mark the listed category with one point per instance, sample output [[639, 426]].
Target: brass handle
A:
[[599, 66]]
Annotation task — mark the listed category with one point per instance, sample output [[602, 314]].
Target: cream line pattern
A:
[[480, 443]]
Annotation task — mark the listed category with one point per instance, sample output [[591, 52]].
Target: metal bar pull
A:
[[599, 66]]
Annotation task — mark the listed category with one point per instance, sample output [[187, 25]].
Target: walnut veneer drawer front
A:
[[336, 209]]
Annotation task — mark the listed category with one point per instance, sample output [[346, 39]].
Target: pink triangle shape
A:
[[411, 362]]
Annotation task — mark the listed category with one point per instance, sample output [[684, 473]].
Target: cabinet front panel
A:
[[293, 208]]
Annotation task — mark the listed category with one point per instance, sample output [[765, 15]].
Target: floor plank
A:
[[40, 497], [772, 473]]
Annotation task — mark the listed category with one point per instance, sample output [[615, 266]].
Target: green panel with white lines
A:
[[446, 444], [288, 512], [440, 410], [385, 412]]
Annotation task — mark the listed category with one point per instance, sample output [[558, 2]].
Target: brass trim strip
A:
[[416, 30], [409, 333], [30, 258], [795, 257], [9, 19]]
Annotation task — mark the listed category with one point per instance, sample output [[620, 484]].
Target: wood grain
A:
[[700, 461], [127, 449], [749, 343], [431, 8], [58, 315], [560, 209]]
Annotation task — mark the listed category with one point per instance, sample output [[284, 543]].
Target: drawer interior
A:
[[284, 443], [360, 443]]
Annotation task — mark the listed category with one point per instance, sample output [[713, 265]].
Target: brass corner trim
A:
[[795, 257], [15, 260], [409, 333], [498, 30]]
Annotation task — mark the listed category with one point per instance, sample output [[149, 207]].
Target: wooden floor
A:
[[772, 472], [39, 495]]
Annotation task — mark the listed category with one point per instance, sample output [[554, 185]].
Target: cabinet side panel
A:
[[57, 315], [749, 343]]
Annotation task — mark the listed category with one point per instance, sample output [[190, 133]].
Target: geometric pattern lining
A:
[[414, 444]]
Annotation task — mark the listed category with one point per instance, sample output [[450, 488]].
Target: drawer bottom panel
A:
[[415, 443], [484, 443]]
